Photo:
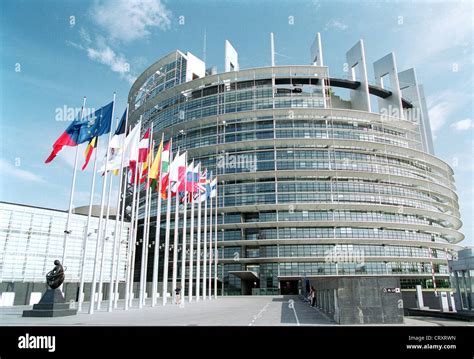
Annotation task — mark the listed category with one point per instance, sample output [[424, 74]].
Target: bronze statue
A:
[[55, 277], [52, 303]]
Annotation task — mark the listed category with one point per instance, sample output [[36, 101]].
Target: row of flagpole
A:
[[171, 178]]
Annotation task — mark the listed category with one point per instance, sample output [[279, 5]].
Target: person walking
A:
[[313, 296], [178, 295]]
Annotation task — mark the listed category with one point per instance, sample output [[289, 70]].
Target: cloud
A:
[[452, 27], [84, 34], [443, 105], [121, 21], [103, 54], [463, 125], [438, 113], [335, 24], [8, 169], [116, 62], [75, 45], [129, 20]]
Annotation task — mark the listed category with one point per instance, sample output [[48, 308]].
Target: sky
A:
[[55, 52]]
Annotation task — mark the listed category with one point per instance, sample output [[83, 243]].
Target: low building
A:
[[31, 238]]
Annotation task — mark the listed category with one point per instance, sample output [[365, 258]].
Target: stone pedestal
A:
[[52, 304]]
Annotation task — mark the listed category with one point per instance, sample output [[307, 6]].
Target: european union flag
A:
[[83, 130], [96, 124]]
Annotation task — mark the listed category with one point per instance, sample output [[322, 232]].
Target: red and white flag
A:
[[144, 147], [177, 172]]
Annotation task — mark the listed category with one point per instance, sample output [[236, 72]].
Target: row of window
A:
[[165, 117], [325, 232], [390, 268], [196, 140], [334, 252], [244, 200], [335, 215]]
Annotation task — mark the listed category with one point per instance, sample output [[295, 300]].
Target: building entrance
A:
[[289, 287]]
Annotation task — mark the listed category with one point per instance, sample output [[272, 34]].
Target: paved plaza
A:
[[223, 311]]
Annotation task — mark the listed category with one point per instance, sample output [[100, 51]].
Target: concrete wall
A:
[[359, 300], [429, 299]]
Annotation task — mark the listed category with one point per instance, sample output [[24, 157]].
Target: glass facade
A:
[[31, 238], [301, 181]]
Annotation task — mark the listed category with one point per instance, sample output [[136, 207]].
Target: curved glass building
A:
[[319, 175]]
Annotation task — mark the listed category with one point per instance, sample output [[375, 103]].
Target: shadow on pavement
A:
[[295, 311]]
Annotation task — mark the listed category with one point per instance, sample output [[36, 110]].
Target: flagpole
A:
[[146, 230], [104, 186], [117, 251], [145, 225], [204, 265], [156, 256], [135, 234], [119, 241], [175, 239], [198, 249], [67, 232], [144, 245], [102, 260], [86, 235], [183, 246], [105, 238], [132, 239], [147, 239], [149, 214], [191, 240], [118, 237], [114, 247], [210, 241], [216, 253], [167, 233]]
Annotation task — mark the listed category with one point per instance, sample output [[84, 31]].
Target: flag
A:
[[144, 147], [189, 186], [189, 181], [197, 177], [165, 169], [130, 151], [213, 188], [155, 167], [192, 178], [143, 152], [202, 186], [177, 172], [149, 159], [118, 139], [83, 130], [207, 187], [117, 142], [88, 153]]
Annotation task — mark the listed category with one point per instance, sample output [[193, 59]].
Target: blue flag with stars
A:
[[96, 124]]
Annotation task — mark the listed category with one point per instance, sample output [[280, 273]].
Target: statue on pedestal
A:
[[52, 303], [55, 278]]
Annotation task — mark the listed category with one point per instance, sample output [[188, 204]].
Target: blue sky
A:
[[55, 52]]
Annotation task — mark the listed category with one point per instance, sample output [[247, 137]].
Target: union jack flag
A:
[[202, 184]]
